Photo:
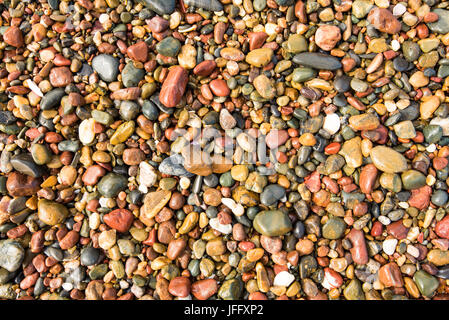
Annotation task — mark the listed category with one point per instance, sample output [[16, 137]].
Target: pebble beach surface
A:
[[224, 149]]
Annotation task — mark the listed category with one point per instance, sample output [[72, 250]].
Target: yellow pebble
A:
[[51, 181], [307, 139]]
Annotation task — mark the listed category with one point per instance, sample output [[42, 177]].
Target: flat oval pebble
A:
[[272, 223], [388, 160]]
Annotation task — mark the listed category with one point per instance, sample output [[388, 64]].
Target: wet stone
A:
[[231, 289], [413, 179], [25, 164], [106, 66], [11, 255], [51, 213], [426, 283], [317, 60], [89, 256], [111, 184], [353, 291], [131, 75], [334, 228], [6, 117], [388, 160], [271, 194], [272, 223], [169, 47]]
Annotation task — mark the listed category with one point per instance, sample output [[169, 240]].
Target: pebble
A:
[[389, 246], [275, 138], [119, 219], [353, 291], [264, 87], [159, 6], [272, 223], [390, 275], [283, 279], [259, 57], [426, 283], [388, 160], [14, 37], [327, 36], [383, 20], [271, 194], [204, 289], [366, 121], [50, 212], [11, 255], [442, 228], [320, 61], [111, 184], [106, 66], [405, 130], [173, 87], [24, 163], [153, 202], [334, 228]]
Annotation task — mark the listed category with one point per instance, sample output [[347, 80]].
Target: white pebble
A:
[[143, 189], [189, 297], [270, 28], [332, 123], [413, 251], [103, 18], [399, 9], [147, 174], [239, 210], [184, 182], [86, 131], [67, 286], [124, 284], [223, 228], [103, 202], [94, 220], [413, 233], [404, 205], [430, 214], [228, 202], [137, 291], [236, 208], [395, 45], [34, 88], [390, 105], [283, 279], [431, 148], [384, 220], [389, 246]]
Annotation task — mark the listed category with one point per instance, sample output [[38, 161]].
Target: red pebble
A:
[[119, 219], [377, 229]]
